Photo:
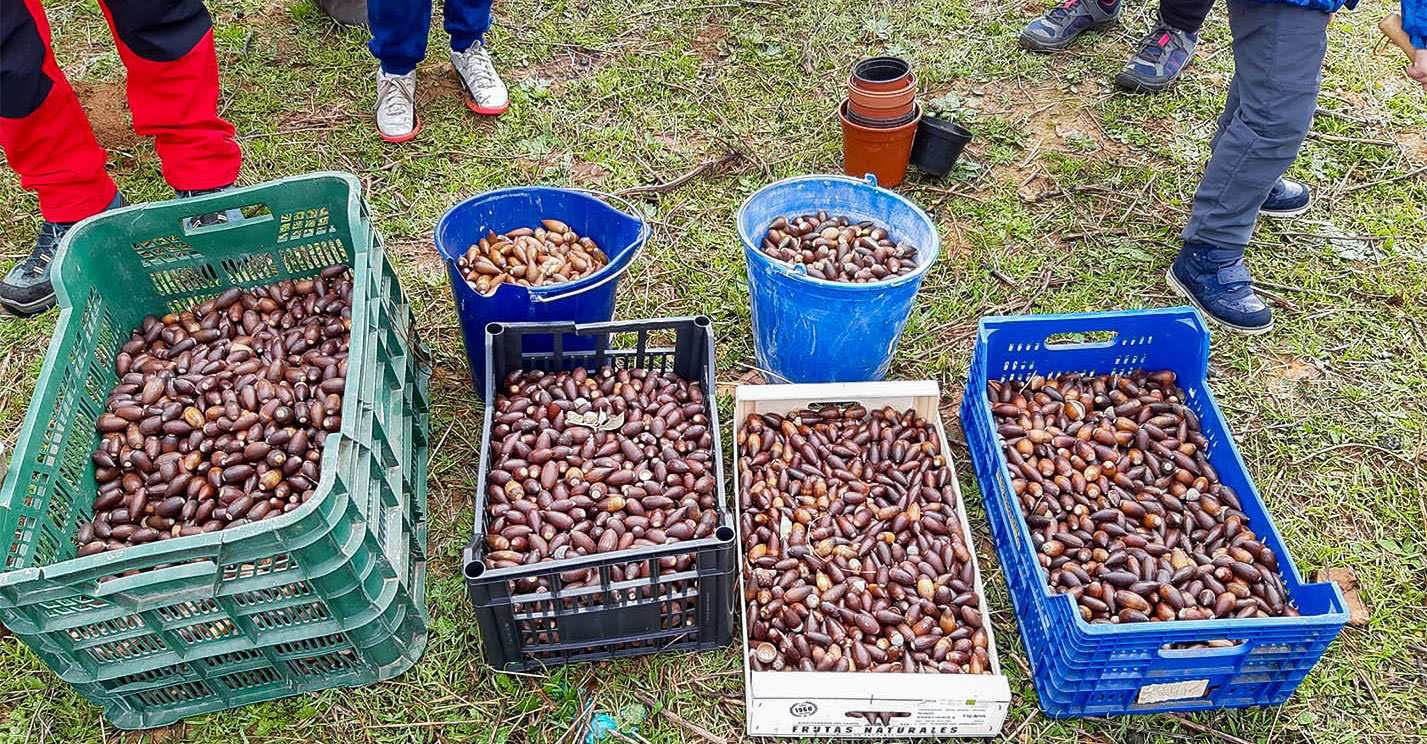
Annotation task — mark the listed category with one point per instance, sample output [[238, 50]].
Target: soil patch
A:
[[107, 106]]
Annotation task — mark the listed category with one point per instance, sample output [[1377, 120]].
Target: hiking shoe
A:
[[212, 218], [1162, 56], [1060, 25], [396, 106], [26, 289], [1217, 281], [1287, 199], [485, 92]]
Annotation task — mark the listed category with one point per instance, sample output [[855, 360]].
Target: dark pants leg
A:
[[400, 29], [44, 132], [467, 21], [1185, 15], [399, 32], [1278, 60]]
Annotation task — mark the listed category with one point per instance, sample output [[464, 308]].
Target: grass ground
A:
[[1070, 199]]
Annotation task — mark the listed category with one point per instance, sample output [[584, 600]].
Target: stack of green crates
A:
[[332, 594]]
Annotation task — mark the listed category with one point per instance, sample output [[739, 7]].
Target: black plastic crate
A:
[[669, 610]]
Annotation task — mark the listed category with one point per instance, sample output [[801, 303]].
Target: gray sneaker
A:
[[1062, 24], [1162, 56], [26, 289]]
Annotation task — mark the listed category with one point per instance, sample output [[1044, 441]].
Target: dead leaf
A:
[[1347, 581]]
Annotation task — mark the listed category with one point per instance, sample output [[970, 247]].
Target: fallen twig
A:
[[707, 166], [1381, 181], [702, 732], [1351, 445], [808, 43], [1201, 728], [1350, 140]]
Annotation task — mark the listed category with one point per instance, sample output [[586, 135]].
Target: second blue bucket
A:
[[589, 300], [812, 330]]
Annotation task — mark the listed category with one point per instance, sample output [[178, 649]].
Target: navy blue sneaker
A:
[[1062, 24], [26, 288], [1162, 56], [1287, 199], [1217, 281]]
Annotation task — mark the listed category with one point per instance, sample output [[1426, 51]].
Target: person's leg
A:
[[1278, 57], [467, 22], [48, 142], [44, 132], [1185, 15], [1166, 50], [399, 32], [167, 49]]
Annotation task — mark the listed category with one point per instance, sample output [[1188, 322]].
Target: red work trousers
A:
[[167, 48]]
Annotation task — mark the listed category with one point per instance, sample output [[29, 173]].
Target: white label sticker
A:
[[1161, 693]]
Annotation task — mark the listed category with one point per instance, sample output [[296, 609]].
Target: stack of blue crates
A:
[[1080, 668]]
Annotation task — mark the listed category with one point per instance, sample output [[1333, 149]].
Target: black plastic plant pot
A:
[[880, 73], [939, 143]]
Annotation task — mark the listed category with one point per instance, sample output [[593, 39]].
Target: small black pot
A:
[[939, 143]]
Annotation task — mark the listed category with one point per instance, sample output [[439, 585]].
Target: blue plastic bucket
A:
[[588, 300], [812, 330]]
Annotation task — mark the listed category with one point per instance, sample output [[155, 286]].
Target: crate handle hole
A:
[[474, 569], [724, 534], [1213, 647], [877, 717], [495, 329], [227, 219], [1081, 340]]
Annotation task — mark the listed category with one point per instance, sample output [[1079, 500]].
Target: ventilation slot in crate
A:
[[213, 630], [131, 648]]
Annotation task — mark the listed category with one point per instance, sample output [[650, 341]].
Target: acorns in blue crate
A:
[[535, 255], [1145, 571], [601, 528], [834, 265]]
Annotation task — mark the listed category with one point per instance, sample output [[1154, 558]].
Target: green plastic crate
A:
[[329, 595]]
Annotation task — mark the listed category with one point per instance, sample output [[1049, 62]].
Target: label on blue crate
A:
[[1168, 691]]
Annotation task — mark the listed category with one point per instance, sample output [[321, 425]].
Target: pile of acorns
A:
[[220, 413], [530, 257]]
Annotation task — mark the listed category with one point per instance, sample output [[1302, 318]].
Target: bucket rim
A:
[[610, 270], [786, 268]]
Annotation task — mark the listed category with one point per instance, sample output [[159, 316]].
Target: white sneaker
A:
[[485, 93], [396, 106]]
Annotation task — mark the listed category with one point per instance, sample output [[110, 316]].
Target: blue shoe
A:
[[1287, 199], [1217, 281], [26, 288], [1062, 24], [1163, 55]]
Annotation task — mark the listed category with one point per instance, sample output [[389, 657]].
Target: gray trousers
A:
[[1278, 67]]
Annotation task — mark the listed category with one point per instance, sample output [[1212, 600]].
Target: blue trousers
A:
[[1278, 68], [400, 29]]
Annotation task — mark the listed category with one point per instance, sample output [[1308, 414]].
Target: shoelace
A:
[[481, 66], [39, 259], [1063, 10], [1154, 44], [396, 95]]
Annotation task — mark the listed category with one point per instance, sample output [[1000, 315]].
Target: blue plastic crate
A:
[[1083, 668]]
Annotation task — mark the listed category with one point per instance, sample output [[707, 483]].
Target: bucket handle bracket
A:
[[645, 232]]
